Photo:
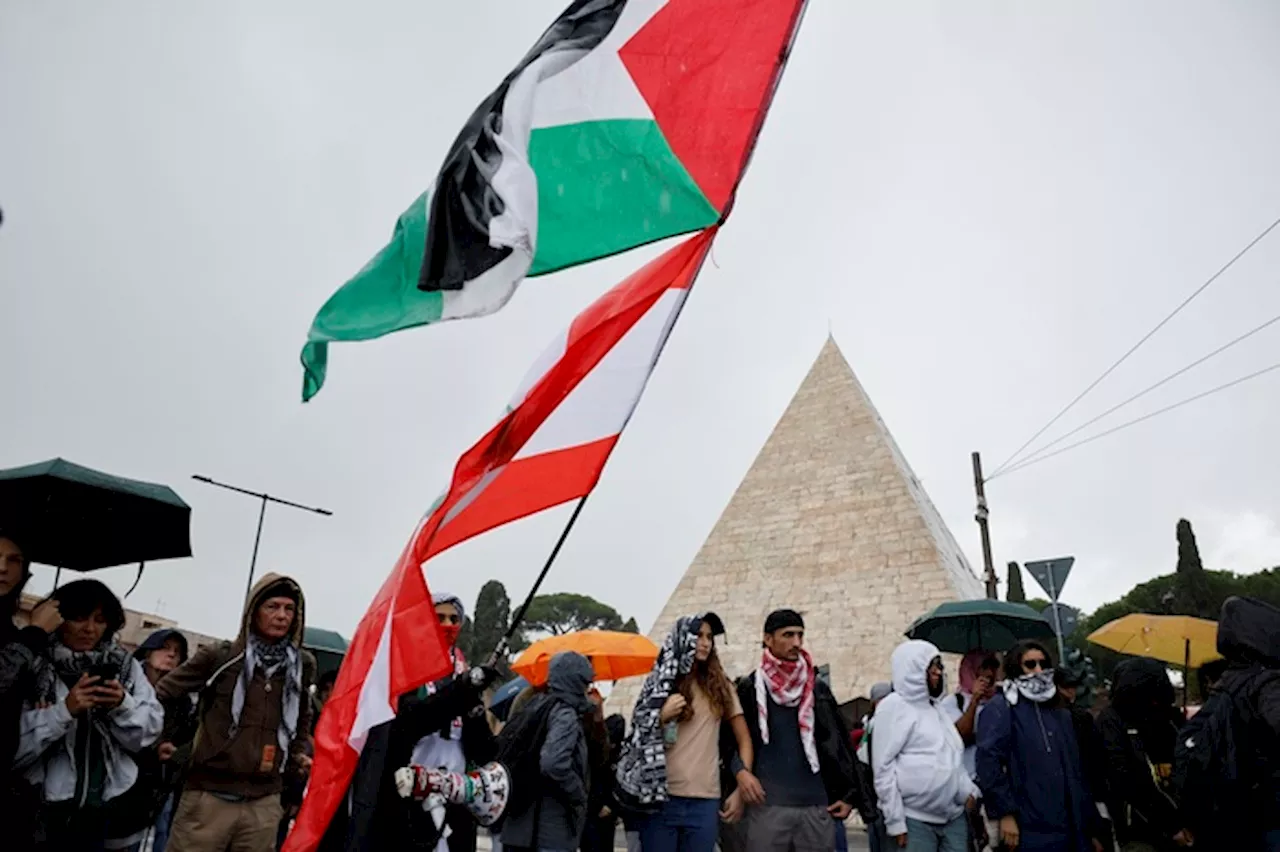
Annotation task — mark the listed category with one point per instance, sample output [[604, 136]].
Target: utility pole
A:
[[262, 516], [981, 515]]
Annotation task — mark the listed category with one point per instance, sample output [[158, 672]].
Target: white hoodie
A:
[[917, 753]]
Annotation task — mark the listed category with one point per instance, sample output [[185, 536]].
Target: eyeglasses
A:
[[1033, 665], [448, 619]]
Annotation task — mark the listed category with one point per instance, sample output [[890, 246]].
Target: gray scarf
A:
[[270, 656]]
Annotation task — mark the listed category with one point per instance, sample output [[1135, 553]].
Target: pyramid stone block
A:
[[829, 521]]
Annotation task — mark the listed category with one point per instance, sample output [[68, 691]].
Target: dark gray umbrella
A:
[[81, 519]]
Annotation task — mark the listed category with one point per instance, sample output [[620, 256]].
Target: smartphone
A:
[[104, 671]]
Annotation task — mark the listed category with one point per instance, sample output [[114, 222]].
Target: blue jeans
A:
[[163, 821], [928, 837], [842, 837], [683, 825]]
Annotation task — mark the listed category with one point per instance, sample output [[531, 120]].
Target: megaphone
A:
[[484, 792]]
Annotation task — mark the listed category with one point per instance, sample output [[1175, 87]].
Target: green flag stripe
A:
[[603, 187], [608, 186]]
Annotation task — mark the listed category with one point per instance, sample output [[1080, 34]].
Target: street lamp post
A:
[[262, 516]]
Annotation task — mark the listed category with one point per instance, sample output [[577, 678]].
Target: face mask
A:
[[451, 632], [1036, 686]]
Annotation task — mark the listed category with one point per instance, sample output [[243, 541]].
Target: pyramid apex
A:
[[830, 521]]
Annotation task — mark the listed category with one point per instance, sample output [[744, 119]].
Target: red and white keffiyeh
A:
[[790, 684]]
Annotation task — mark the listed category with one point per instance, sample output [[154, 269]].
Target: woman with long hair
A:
[[671, 764]]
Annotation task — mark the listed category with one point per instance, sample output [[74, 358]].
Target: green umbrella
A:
[[328, 646], [958, 627], [73, 517]]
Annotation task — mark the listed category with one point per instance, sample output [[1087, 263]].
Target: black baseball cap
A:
[[714, 622]]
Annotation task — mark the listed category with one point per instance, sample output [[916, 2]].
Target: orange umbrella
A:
[[613, 655]]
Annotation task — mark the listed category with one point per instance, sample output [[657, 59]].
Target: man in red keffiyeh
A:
[[804, 760]]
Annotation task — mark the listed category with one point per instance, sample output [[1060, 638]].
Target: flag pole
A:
[[503, 644]]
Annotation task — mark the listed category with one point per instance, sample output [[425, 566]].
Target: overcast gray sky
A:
[[986, 202]]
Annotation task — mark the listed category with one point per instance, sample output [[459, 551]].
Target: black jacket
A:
[[842, 775], [1139, 731], [377, 817], [19, 800]]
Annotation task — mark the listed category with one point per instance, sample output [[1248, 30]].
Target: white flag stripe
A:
[[375, 693], [603, 400], [598, 87]]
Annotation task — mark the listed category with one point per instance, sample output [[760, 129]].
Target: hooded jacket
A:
[[918, 756], [1139, 731], [247, 764], [1249, 638], [1029, 767], [556, 818]]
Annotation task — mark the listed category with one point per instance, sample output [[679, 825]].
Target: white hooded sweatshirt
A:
[[917, 753]]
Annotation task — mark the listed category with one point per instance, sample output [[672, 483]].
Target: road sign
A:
[[1063, 617], [1051, 574]]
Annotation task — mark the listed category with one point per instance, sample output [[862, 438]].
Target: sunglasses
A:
[[448, 619], [1034, 665]]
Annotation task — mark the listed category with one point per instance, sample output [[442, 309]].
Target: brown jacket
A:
[[247, 764]]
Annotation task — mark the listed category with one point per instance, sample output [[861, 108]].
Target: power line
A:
[[1137, 420], [1137, 346], [1113, 409]]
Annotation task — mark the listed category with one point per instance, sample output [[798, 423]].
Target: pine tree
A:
[[492, 617], [1188, 552], [1014, 592]]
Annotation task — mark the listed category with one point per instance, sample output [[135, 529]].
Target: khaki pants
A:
[[206, 823]]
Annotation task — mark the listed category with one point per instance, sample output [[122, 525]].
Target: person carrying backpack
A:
[[546, 756], [254, 716], [1227, 757]]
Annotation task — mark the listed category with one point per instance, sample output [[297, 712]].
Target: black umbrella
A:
[[80, 519]]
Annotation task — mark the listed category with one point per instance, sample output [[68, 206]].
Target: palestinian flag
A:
[[628, 122], [549, 448]]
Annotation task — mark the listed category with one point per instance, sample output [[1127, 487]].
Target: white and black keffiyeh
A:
[[642, 768], [1038, 687], [269, 657]]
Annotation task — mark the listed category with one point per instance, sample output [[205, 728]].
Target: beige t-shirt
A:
[[693, 762]]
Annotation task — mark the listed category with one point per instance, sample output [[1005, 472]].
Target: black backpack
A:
[[520, 751], [1217, 772]]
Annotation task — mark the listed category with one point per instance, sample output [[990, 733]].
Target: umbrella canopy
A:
[[327, 646], [500, 706], [73, 517], [958, 627], [613, 655], [1179, 640]]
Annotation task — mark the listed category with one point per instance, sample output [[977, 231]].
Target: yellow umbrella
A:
[[613, 655], [1179, 640]]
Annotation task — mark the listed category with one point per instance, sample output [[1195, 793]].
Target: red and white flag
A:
[[548, 449]]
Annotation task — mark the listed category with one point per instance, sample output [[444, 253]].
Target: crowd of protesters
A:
[[106, 749], [165, 749]]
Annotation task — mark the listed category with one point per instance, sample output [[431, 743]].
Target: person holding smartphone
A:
[[91, 709]]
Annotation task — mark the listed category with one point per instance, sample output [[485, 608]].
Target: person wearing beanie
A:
[[254, 721], [803, 757]]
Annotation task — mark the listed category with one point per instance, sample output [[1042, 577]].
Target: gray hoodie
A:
[[561, 810]]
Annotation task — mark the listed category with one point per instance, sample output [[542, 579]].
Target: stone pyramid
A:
[[829, 521]]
